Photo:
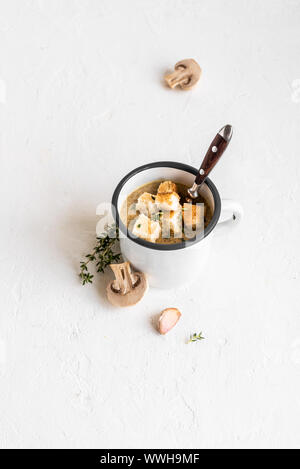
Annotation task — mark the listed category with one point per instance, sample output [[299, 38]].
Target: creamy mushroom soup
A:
[[158, 212]]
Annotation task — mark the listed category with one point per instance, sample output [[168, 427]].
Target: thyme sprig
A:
[[103, 254], [195, 338]]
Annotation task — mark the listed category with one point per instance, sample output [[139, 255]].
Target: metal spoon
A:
[[215, 151]]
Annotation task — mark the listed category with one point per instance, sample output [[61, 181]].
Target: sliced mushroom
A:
[[168, 319], [187, 74], [128, 288]]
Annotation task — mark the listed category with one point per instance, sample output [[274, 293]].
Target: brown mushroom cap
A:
[[128, 288], [193, 70], [187, 74]]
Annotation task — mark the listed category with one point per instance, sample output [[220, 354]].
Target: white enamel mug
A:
[[166, 265]]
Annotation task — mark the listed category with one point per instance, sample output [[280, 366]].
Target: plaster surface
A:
[[82, 102]]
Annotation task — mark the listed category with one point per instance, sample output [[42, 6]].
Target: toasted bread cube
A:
[[176, 221], [172, 221], [167, 187], [193, 215], [168, 202], [146, 203], [146, 229]]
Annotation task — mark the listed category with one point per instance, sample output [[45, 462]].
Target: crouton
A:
[[167, 187], [146, 229], [193, 215], [146, 204], [168, 202], [172, 221]]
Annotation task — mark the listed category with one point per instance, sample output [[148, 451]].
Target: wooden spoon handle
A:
[[215, 151]]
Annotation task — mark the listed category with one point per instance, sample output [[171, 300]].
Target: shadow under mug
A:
[[166, 265]]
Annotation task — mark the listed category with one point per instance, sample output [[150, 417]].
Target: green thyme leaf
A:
[[103, 253], [195, 338]]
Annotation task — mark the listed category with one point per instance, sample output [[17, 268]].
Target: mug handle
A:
[[231, 215]]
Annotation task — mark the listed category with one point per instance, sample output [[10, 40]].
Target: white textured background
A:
[[82, 103]]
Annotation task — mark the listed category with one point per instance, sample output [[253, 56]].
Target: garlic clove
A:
[[168, 319]]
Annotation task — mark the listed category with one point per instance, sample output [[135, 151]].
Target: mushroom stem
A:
[[128, 288], [179, 77], [125, 280], [187, 74]]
